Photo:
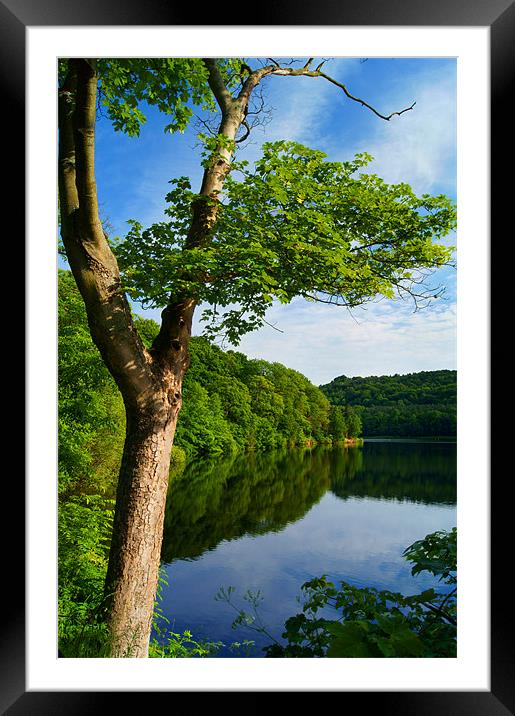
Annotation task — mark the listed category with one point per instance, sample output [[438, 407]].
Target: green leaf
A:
[[352, 642]]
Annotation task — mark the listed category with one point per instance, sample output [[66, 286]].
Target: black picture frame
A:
[[499, 16]]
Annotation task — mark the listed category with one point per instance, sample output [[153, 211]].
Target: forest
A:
[[419, 404], [232, 403]]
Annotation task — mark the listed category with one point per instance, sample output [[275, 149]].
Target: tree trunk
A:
[[135, 553], [150, 381]]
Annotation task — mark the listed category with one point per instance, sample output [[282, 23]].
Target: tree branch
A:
[[68, 197], [306, 72], [217, 84], [84, 137], [362, 102], [247, 132], [440, 612]]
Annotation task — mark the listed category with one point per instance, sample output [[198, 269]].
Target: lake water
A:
[[272, 521]]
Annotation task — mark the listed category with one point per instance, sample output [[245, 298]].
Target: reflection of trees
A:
[[417, 472], [249, 494], [215, 500]]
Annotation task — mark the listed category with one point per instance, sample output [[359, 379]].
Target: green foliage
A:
[[437, 554], [173, 85], [344, 422], [180, 646], [299, 225], [372, 623], [202, 429], [85, 525], [414, 405], [90, 441], [91, 417], [177, 460], [84, 532], [337, 424]]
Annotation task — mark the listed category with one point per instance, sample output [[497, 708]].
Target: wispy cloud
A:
[[418, 147], [383, 338]]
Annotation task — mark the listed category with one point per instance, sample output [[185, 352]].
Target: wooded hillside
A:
[[411, 405]]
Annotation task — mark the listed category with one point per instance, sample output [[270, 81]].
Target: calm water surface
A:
[[271, 521]]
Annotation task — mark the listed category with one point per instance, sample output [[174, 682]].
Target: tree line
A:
[[419, 404]]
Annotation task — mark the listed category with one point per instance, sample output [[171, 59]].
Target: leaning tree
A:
[[295, 224]]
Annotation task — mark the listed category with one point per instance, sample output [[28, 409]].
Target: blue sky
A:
[[418, 147]]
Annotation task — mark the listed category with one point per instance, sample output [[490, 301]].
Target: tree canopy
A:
[[297, 225]]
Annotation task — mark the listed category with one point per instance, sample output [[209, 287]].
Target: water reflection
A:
[[260, 493], [247, 495], [418, 472]]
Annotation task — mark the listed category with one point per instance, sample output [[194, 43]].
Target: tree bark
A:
[[133, 570]]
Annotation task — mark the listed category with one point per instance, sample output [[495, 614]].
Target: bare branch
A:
[[272, 326], [331, 301], [206, 125], [306, 72], [257, 95], [247, 132], [362, 102]]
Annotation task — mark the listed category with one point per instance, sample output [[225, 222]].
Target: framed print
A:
[[477, 44]]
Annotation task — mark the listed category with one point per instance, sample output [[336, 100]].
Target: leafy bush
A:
[[84, 529], [371, 622]]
